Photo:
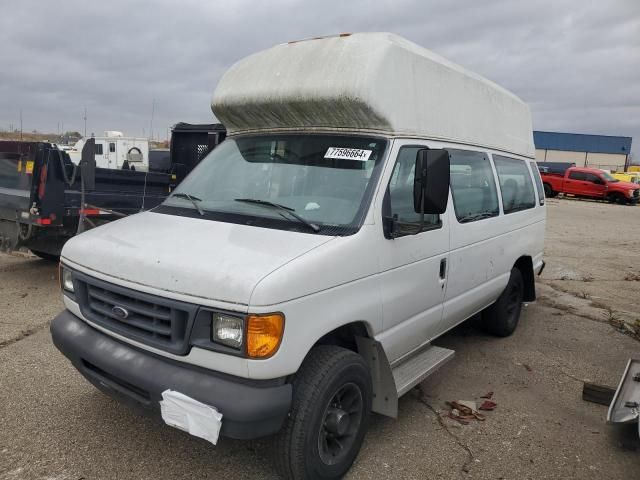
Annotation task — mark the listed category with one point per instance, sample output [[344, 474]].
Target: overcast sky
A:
[[576, 62]]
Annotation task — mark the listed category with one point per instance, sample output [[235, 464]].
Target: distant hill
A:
[[39, 137]]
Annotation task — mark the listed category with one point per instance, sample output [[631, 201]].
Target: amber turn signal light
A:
[[264, 333]]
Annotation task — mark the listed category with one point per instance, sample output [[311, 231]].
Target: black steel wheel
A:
[[341, 423], [329, 416], [501, 318]]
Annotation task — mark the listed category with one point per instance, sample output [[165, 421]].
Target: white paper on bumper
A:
[[190, 415]]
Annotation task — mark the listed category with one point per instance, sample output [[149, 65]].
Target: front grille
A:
[[155, 321], [636, 193]]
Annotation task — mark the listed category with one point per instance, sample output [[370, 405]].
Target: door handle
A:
[[443, 268]]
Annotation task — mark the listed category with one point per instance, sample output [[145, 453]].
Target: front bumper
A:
[[250, 409]]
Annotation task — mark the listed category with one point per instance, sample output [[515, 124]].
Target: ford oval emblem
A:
[[120, 312]]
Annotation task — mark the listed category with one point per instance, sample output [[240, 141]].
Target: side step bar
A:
[[419, 366]]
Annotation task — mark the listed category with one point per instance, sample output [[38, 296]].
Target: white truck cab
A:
[[370, 196]]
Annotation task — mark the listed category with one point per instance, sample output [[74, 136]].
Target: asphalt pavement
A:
[[55, 425]]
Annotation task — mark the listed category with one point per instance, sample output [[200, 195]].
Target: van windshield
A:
[[311, 183]]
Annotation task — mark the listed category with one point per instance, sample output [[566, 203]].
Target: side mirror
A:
[[431, 181], [88, 164]]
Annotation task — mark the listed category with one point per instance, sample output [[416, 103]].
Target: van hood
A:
[[189, 256]]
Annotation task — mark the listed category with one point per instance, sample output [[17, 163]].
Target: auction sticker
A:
[[340, 153]]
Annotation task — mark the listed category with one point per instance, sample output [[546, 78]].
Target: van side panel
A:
[[519, 238], [483, 253]]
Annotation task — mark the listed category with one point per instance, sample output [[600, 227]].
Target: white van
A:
[[370, 196]]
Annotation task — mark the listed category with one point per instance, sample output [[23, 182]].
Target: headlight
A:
[[631, 192], [66, 280], [227, 330]]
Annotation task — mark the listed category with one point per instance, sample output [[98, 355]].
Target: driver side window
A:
[[590, 177], [400, 192]]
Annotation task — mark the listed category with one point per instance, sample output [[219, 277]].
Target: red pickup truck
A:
[[590, 183]]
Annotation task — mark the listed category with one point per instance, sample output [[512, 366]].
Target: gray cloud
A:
[[576, 62]]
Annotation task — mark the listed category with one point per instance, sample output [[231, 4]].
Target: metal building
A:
[[597, 151]]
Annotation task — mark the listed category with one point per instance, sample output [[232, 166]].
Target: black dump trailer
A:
[[45, 199], [41, 196]]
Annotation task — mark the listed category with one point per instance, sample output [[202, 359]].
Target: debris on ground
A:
[[601, 394], [464, 411], [488, 405]]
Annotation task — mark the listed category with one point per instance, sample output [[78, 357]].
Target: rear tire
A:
[[501, 318], [548, 191], [49, 257], [329, 416]]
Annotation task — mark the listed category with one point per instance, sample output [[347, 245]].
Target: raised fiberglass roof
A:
[[373, 83]]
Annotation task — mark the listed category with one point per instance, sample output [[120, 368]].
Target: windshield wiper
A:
[[192, 199], [284, 208], [476, 216]]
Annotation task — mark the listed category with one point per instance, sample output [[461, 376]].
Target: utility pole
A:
[[20, 124], [153, 110], [85, 122]]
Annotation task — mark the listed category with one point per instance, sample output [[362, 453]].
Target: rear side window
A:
[[538, 181], [472, 186], [577, 176], [98, 149], [516, 186], [401, 193]]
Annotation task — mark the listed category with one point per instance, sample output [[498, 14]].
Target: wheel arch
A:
[[345, 335], [358, 337], [525, 265]]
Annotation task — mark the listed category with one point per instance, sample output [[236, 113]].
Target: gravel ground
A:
[[55, 425]]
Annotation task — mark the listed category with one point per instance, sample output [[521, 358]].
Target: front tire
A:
[[617, 198], [502, 317], [49, 257], [329, 417]]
